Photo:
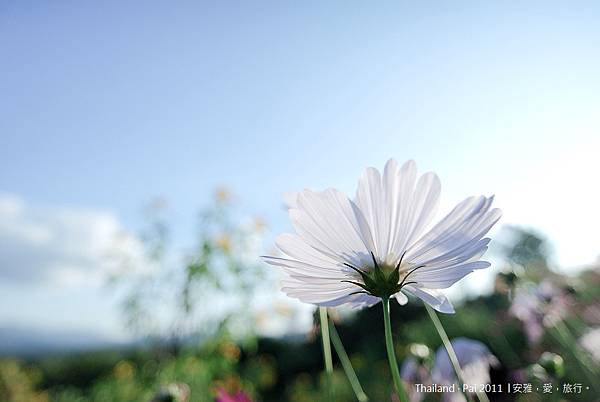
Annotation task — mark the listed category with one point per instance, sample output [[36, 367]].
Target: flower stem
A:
[[327, 352], [568, 341], [499, 341], [389, 343], [346, 364], [451, 353]]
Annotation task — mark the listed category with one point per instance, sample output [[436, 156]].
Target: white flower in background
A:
[[358, 252], [475, 360], [590, 341]]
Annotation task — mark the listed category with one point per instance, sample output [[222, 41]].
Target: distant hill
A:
[[22, 341]]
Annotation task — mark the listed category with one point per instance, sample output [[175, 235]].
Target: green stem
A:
[[451, 353], [514, 357], [346, 364], [389, 343], [327, 352], [586, 361], [499, 342], [568, 341]]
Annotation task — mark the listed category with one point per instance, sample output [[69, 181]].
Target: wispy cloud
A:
[[61, 246]]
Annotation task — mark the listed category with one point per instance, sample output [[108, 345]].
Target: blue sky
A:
[[104, 106]]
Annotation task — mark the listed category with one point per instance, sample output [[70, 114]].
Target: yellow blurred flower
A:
[[224, 242], [230, 351], [191, 365], [259, 224], [18, 384], [283, 309], [123, 370], [222, 194]]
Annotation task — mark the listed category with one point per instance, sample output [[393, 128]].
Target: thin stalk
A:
[[327, 352], [389, 343], [346, 364], [498, 341], [568, 341], [451, 353], [585, 360]]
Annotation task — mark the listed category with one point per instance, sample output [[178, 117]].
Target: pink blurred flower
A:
[[591, 343], [224, 396], [539, 306]]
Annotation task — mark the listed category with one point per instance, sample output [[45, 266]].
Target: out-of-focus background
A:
[[145, 149]]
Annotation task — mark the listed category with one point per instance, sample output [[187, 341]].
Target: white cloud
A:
[[62, 246]]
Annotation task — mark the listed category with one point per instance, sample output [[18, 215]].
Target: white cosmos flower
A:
[[354, 252]]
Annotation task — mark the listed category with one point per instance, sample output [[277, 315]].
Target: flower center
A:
[[379, 281]]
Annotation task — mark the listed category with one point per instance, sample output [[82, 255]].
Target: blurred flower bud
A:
[[421, 352], [553, 364], [176, 392]]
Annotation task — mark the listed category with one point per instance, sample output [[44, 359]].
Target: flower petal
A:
[[295, 247], [469, 221], [401, 298], [319, 297], [447, 277], [330, 223], [396, 211], [434, 298], [453, 247]]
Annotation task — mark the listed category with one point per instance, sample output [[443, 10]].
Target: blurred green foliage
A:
[[184, 295]]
